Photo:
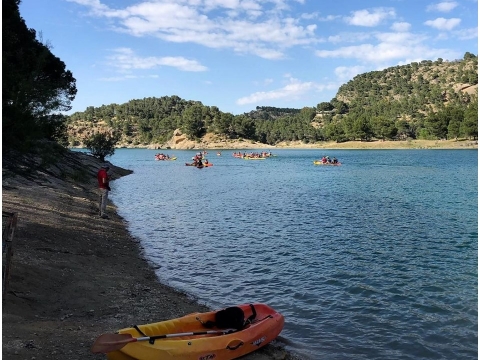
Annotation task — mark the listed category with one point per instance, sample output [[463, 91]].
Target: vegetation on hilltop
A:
[[426, 100]]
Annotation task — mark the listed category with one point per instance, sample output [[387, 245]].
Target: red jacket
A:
[[102, 178]]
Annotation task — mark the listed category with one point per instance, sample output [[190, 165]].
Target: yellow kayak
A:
[[319, 162], [165, 159], [210, 335]]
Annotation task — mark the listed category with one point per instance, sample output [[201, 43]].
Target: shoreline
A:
[[212, 143], [75, 276]]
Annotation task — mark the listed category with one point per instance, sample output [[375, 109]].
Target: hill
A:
[[429, 100]]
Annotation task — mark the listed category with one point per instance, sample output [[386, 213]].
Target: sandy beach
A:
[[388, 145], [74, 275], [211, 141]]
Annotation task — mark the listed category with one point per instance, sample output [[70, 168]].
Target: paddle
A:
[[112, 342]]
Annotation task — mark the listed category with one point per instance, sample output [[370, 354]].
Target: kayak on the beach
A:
[[221, 335]]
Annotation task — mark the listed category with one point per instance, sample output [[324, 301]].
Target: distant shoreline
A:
[[406, 144], [349, 145]]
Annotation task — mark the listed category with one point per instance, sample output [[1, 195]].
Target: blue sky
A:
[[239, 54]]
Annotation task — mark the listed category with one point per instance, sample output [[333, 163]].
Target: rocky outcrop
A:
[[210, 141]]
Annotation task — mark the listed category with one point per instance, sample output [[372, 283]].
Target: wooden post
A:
[[9, 224]]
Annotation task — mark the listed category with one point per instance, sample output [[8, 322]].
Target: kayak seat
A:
[[230, 318]]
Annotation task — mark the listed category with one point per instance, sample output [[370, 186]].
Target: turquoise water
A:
[[374, 259]]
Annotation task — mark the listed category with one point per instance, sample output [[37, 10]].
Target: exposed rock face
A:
[[178, 140], [209, 141]]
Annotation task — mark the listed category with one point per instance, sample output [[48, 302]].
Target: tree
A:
[[244, 127], [383, 128], [454, 129], [35, 82], [307, 113], [101, 145], [224, 124], [193, 122], [334, 131], [324, 106], [468, 56], [469, 126], [403, 129], [436, 124], [362, 129]]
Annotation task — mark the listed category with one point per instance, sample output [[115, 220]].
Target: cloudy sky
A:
[[239, 54]]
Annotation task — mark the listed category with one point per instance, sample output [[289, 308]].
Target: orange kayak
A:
[[195, 336]]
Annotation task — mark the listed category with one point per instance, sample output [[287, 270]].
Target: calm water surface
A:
[[375, 259]]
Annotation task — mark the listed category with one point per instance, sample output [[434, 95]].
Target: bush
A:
[[101, 145]]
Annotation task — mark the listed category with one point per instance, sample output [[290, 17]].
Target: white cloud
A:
[[115, 78], [390, 46], [127, 77], [345, 73], [400, 26], [294, 89], [125, 59], [443, 24], [467, 34], [309, 16], [370, 18], [349, 37], [395, 47], [248, 26], [399, 39], [445, 6]]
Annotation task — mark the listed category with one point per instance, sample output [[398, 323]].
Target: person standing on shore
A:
[[104, 187]]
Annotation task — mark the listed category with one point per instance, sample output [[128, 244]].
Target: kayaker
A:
[[104, 188]]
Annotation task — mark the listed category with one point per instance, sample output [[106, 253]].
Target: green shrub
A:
[[101, 145]]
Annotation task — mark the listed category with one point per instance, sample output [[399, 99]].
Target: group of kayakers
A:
[[328, 160], [162, 156], [199, 160], [252, 155]]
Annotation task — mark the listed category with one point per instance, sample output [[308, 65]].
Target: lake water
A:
[[374, 259]]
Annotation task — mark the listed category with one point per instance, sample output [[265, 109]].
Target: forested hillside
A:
[[426, 100]]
